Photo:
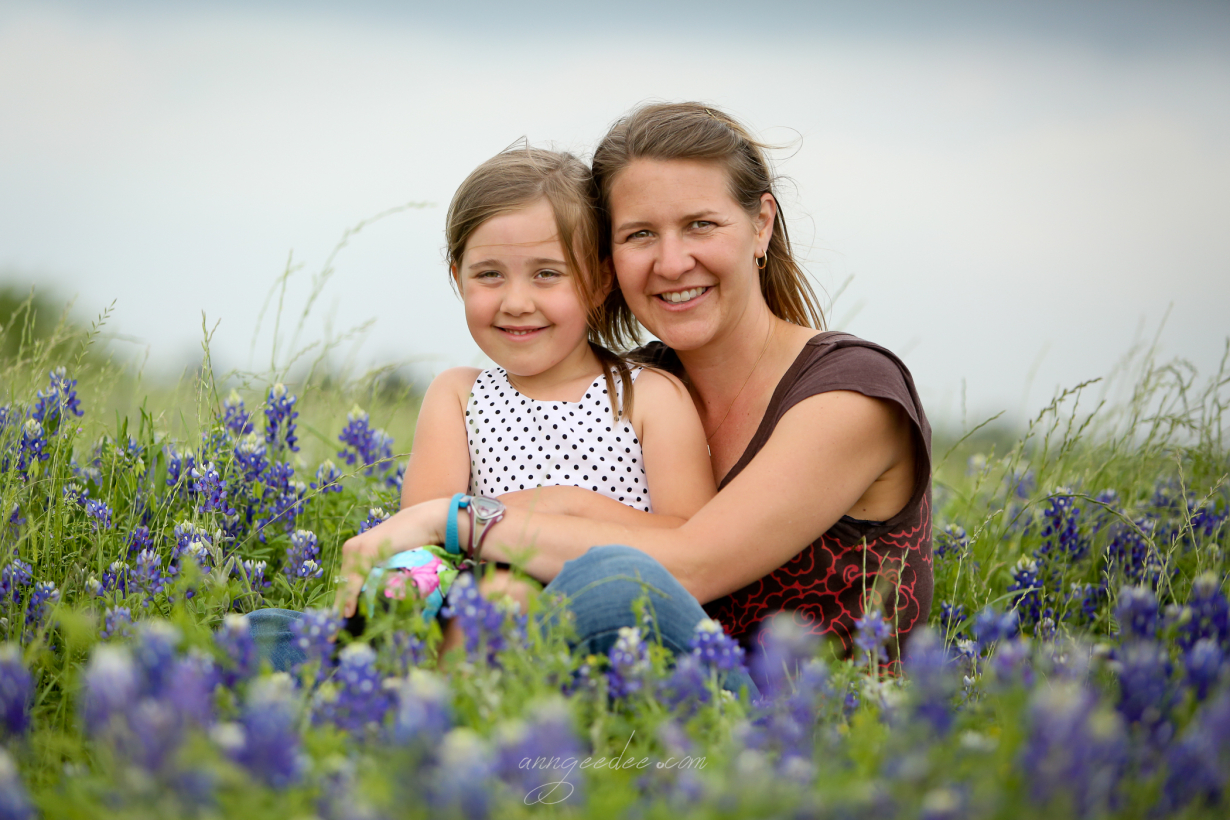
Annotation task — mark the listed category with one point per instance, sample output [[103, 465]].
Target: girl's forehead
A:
[[524, 231]]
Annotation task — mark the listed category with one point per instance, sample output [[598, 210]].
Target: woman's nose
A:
[[674, 258]]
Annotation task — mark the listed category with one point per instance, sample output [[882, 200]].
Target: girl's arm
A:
[[832, 454], [439, 463]]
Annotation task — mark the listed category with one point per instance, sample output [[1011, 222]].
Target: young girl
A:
[[559, 410]]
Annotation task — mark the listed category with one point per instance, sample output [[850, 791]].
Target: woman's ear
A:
[[606, 278], [764, 219]]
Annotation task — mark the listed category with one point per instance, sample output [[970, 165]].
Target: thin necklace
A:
[[709, 437]]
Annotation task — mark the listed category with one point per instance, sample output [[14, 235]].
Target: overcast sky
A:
[[1013, 192]]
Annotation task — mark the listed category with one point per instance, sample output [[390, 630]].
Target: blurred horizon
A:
[[1007, 197]]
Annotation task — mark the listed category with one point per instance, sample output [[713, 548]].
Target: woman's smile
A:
[[683, 297]]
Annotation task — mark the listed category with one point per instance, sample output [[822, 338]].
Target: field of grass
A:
[[1076, 666]]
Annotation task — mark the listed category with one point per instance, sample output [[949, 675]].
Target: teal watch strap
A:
[[451, 543]]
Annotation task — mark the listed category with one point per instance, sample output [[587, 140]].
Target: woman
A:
[[818, 441]]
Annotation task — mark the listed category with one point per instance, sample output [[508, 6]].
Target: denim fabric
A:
[[601, 586]]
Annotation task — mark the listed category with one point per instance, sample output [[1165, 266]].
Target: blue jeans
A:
[[600, 585]]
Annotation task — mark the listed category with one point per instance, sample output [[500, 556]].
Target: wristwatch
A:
[[484, 513]]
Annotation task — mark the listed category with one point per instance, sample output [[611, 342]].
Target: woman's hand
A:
[[411, 528]]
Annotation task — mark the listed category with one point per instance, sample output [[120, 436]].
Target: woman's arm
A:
[[831, 454], [439, 463]]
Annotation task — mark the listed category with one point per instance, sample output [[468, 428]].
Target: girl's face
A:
[[521, 300], [684, 250]]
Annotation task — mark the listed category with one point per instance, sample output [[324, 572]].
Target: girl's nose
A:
[[674, 258], [518, 298]]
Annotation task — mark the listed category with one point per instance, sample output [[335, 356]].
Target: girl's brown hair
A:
[[689, 130], [519, 176]]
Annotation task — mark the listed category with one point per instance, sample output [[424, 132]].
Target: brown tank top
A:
[[885, 563]]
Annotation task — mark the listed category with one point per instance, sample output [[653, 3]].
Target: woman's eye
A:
[[701, 224], [637, 235]]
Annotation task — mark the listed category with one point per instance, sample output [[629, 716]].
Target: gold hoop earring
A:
[[762, 262]]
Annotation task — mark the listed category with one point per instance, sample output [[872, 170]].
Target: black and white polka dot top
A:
[[517, 443]]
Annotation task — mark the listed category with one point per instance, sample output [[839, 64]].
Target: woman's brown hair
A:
[[517, 177], [692, 131]]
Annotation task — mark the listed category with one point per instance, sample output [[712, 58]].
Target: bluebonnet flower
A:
[[1072, 749], [241, 660], [1129, 554], [154, 734], [375, 516], [952, 540], [1027, 587], [74, 494], [1091, 597], [368, 447], [190, 688], [41, 598], [630, 667], [951, 618], [101, 514], [14, 578], [359, 698], [990, 626], [536, 756], [1146, 693], [401, 652], [250, 455], [117, 623], [110, 684], [1011, 662], [481, 621], [687, 687], [302, 556], [1203, 664], [270, 746], [33, 445], [116, 578], [16, 692], [1208, 614], [397, 478], [286, 505], [328, 478], [1137, 613], [932, 670], [210, 487], [422, 715], [154, 651], [61, 396], [314, 635], [460, 787], [781, 648], [786, 724], [715, 649], [280, 418], [1198, 763], [1021, 482], [180, 464], [237, 420], [253, 572], [194, 541], [139, 539], [14, 800], [871, 633]]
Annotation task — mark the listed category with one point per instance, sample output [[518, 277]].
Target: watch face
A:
[[486, 508]]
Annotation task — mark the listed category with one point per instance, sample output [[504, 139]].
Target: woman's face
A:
[[684, 250]]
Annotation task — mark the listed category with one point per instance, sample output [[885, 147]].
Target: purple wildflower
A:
[[369, 448], [359, 699], [1203, 665], [951, 541], [16, 692], [280, 418], [74, 494], [269, 748], [250, 456], [302, 556], [1208, 614], [137, 540], [110, 686], [715, 649], [241, 660], [33, 445], [687, 687], [871, 633], [1027, 591], [116, 578], [951, 618], [481, 620], [101, 514], [314, 635], [14, 800], [41, 598], [154, 652], [421, 715], [375, 517], [61, 396], [1199, 762], [117, 623], [990, 627], [932, 670], [211, 490], [237, 420], [537, 756], [180, 464], [14, 578], [195, 542], [782, 647], [1137, 613], [461, 787], [328, 478], [190, 689], [630, 667]]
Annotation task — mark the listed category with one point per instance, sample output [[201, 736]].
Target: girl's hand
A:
[[408, 529]]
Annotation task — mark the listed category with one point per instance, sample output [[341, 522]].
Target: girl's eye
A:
[[549, 274], [487, 274]]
